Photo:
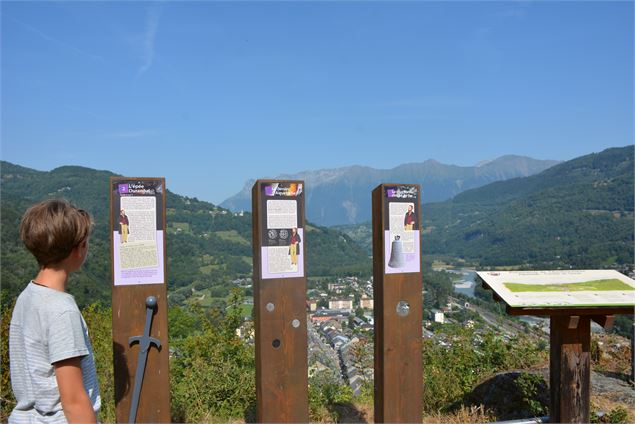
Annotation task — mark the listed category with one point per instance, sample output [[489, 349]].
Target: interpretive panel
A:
[[141, 376], [398, 312], [137, 231], [401, 227], [280, 320], [542, 289], [282, 234]]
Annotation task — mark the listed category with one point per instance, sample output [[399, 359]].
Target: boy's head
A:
[[52, 229]]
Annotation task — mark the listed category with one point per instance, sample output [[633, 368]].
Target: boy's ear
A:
[[77, 250]]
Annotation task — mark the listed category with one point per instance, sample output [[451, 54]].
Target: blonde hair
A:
[[51, 229]]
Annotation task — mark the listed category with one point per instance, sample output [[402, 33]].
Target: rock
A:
[[512, 395]]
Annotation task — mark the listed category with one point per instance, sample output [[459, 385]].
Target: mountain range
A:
[[342, 195], [577, 214]]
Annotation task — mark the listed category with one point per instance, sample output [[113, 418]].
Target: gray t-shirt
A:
[[47, 327]]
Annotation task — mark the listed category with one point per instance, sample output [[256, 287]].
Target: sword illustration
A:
[[145, 341]]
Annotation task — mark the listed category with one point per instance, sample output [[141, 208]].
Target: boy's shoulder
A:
[[44, 300]]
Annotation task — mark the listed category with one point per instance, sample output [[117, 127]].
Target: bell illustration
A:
[[396, 254]]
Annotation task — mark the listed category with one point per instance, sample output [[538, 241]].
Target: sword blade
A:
[[142, 356], [138, 381]]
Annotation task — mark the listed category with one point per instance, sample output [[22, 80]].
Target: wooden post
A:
[[139, 271], [398, 303], [570, 368], [280, 301]]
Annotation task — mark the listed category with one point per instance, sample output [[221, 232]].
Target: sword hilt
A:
[[145, 342]]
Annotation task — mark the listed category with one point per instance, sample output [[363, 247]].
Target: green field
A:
[[594, 285], [233, 236]]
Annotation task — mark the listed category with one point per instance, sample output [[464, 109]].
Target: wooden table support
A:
[[570, 368]]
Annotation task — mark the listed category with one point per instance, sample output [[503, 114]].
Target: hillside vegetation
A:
[[212, 372], [208, 247], [576, 214]]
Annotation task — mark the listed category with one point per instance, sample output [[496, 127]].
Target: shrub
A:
[[529, 385], [212, 372], [450, 371]]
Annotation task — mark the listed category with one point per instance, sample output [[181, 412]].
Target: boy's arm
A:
[[75, 401]]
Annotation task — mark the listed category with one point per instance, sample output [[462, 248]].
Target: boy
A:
[[52, 363]]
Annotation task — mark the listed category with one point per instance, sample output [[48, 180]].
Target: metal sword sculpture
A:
[[145, 341]]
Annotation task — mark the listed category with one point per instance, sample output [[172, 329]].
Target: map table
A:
[[571, 299]]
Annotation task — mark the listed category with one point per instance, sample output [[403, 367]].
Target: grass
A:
[[594, 285], [233, 236], [183, 226], [246, 310], [207, 269]]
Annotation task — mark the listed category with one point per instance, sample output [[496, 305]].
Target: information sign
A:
[[401, 227], [282, 247], [138, 222]]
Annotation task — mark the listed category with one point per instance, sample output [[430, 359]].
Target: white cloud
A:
[[153, 17]]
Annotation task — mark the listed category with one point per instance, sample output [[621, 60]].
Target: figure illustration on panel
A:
[[123, 226], [410, 220], [294, 246]]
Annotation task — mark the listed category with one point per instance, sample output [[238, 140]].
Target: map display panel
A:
[[575, 288]]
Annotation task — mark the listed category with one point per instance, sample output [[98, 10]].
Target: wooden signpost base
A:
[[129, 315], [281, 353]]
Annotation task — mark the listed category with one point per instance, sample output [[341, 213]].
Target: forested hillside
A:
[[578, 214], [207, 246]]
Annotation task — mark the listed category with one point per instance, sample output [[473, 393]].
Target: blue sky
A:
[[210, 94]]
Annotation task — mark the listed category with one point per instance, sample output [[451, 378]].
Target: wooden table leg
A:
[[570, 369]]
